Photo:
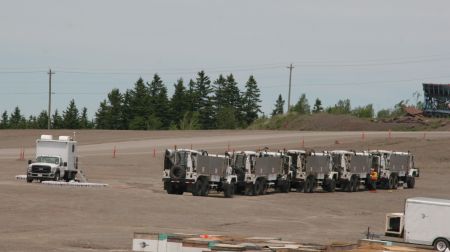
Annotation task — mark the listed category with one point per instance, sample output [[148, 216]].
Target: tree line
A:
[[201, 104]]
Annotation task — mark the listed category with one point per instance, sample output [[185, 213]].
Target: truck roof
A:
[[380, 151], [246, 152], [429, 201], [296, 151], [341, 152]]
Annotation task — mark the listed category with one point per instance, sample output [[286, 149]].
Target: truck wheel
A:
[[197, 188], [395, 185], [249, 189], [347, 186], [169, 188], [259, 187], [410, 182], [332, 186], [300, 186], [285, 186], [355, 184], [205, 187], [228, 190], [180, 190], [57, 176], [441, 244], [391, 182], [29, 180], [307, 185]]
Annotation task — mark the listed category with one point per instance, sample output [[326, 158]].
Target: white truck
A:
[[394, 169], [56, 159], [313, 169], [425, 221], [353, 168], [198, 172]]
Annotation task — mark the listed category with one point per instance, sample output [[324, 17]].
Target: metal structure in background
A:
[[437, 100]]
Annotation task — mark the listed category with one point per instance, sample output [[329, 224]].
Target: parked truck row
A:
[[256, 173]]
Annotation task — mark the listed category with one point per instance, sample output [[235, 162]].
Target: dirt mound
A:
[[331, 122]]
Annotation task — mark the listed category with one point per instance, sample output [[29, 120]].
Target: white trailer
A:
[[55, 159], [425, 221]]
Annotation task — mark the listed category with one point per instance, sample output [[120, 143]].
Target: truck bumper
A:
[[41, 176]]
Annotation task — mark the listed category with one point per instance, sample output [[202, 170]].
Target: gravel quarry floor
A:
[[35, 217]]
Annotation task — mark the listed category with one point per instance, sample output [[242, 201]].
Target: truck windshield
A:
[[181, 158], [240, 162], [49, 160]]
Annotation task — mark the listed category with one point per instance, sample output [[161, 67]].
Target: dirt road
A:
[[34, 217]]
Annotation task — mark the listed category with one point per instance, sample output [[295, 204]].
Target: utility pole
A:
[[289, 94], [49, 97]]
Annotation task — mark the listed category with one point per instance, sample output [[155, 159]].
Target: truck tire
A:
[[228, 190], [346, 185], [307, 185], [329, 185], [300, 186], [441, 244], [410, 181], [285, 186], [249, 189], [57, 176], [355, 183], [180, 189], [259, 187], [29, 180], [197, 188], [205, 187], [390, 182], [395, 185], [169, 187]]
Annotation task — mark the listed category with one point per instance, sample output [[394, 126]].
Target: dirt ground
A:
[[35, 217]]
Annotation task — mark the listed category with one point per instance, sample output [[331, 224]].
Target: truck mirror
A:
[[29, 161], [65, 164]]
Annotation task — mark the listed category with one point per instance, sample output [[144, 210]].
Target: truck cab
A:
[[243, 164], [55, 159], [179, 169]]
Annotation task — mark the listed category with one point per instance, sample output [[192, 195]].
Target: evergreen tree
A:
[[302, 106], [42, 120], [159, 104], [192, 96], [114, 109], [139, 103], [317, 106], [16, 119], [32, 122], [342, 107], [103, 116], [84, 121], [279, 106], [126, 110], [71, 116], [178, 103], [57, 121], [219, 93], [205, 103], [4, 124], [250, 101], [226, 118]]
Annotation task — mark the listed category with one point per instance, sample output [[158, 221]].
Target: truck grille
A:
[[40, 169]]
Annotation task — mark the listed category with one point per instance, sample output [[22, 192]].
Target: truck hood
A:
[[44, 164]]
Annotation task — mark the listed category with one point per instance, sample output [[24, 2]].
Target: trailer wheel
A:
[[410, 181], [309, 184], [441, 244], [180, 190], [29, 180], [347, 186], [390, 182]]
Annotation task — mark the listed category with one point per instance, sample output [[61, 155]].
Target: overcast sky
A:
[[377, 52]]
